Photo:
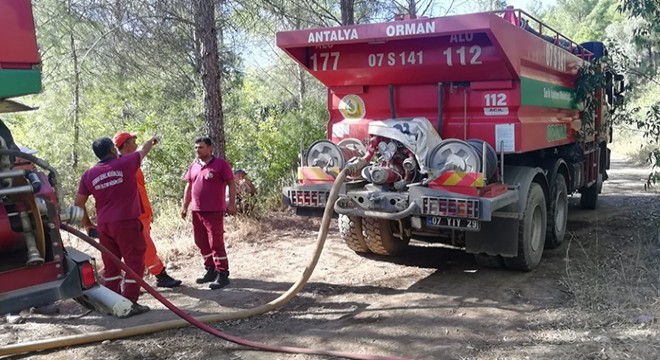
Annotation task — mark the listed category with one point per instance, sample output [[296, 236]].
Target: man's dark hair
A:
[[205, 139], [102, 147]]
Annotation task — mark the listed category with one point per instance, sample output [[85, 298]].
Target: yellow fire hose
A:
[[201, 321]]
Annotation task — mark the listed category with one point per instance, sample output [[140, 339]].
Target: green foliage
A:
[[582, 20], [590, 78], [647, 9], [649, 124], [265, 133], [593, 27], [140, 77]]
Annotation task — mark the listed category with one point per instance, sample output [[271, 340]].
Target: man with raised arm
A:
[[113, 183]]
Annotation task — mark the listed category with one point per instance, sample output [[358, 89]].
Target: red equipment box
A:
[[18, 42]]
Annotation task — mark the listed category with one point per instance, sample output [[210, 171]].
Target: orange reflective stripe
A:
[[317, 173], [453, 178], [471, 179]]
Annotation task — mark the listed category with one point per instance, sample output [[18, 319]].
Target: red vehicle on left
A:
[[35, 267]]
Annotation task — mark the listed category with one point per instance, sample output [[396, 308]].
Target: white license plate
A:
[[453, 223]]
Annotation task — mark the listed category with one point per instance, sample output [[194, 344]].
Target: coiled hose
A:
[[201, 322]]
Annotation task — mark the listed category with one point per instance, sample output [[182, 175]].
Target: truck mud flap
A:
[[500, 236], [497, 237]]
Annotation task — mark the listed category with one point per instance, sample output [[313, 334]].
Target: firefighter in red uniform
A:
[[126, 144], [206, 179], [113, 183]]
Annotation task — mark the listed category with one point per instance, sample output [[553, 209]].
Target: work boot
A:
[[136, 309], [208, 276], [166, 281], [220, 281]]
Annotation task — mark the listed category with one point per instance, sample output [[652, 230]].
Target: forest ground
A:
[[595, 297]]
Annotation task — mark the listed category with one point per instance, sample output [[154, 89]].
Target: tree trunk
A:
[[412, 8], [302, 89], [75, 94], [651, 62], [347, 12], [301, 86], [206, 35]]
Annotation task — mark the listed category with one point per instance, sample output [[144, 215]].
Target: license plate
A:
[[454, 223]]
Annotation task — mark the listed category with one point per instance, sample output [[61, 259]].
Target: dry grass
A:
[[173, 235], [612, 272], [615, 280], [259, 230], [615, 286], [615, 290]]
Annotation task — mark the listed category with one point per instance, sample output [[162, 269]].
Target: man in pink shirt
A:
[[206, 180], [112, 182]]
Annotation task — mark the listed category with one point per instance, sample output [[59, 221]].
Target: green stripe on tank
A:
[[544, 94], [15, 82]]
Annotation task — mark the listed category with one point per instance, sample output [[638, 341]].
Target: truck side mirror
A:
[[620, 83], [609, 88]]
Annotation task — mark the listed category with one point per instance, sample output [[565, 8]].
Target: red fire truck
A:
[[469, 130]]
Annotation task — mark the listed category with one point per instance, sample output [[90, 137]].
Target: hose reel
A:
[[326, 154], [464, 156]]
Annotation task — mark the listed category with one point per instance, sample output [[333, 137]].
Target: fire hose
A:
[[201, 322]]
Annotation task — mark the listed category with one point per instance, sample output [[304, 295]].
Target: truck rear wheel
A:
[[589, 197], [557, 214], [531, 232], [350, 230], [379, 238]]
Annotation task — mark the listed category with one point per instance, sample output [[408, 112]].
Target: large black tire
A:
[[557, 214], [379, 238], [350, 230], [531, 232], [491, 261], [589, 197]]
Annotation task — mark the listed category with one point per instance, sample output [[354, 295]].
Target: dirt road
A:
[[593, 298]]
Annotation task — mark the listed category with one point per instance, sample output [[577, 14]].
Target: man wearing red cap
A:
[[206, 180], [125, 142], [112, 182]]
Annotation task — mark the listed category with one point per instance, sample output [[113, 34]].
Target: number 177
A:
[[324, 58]]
